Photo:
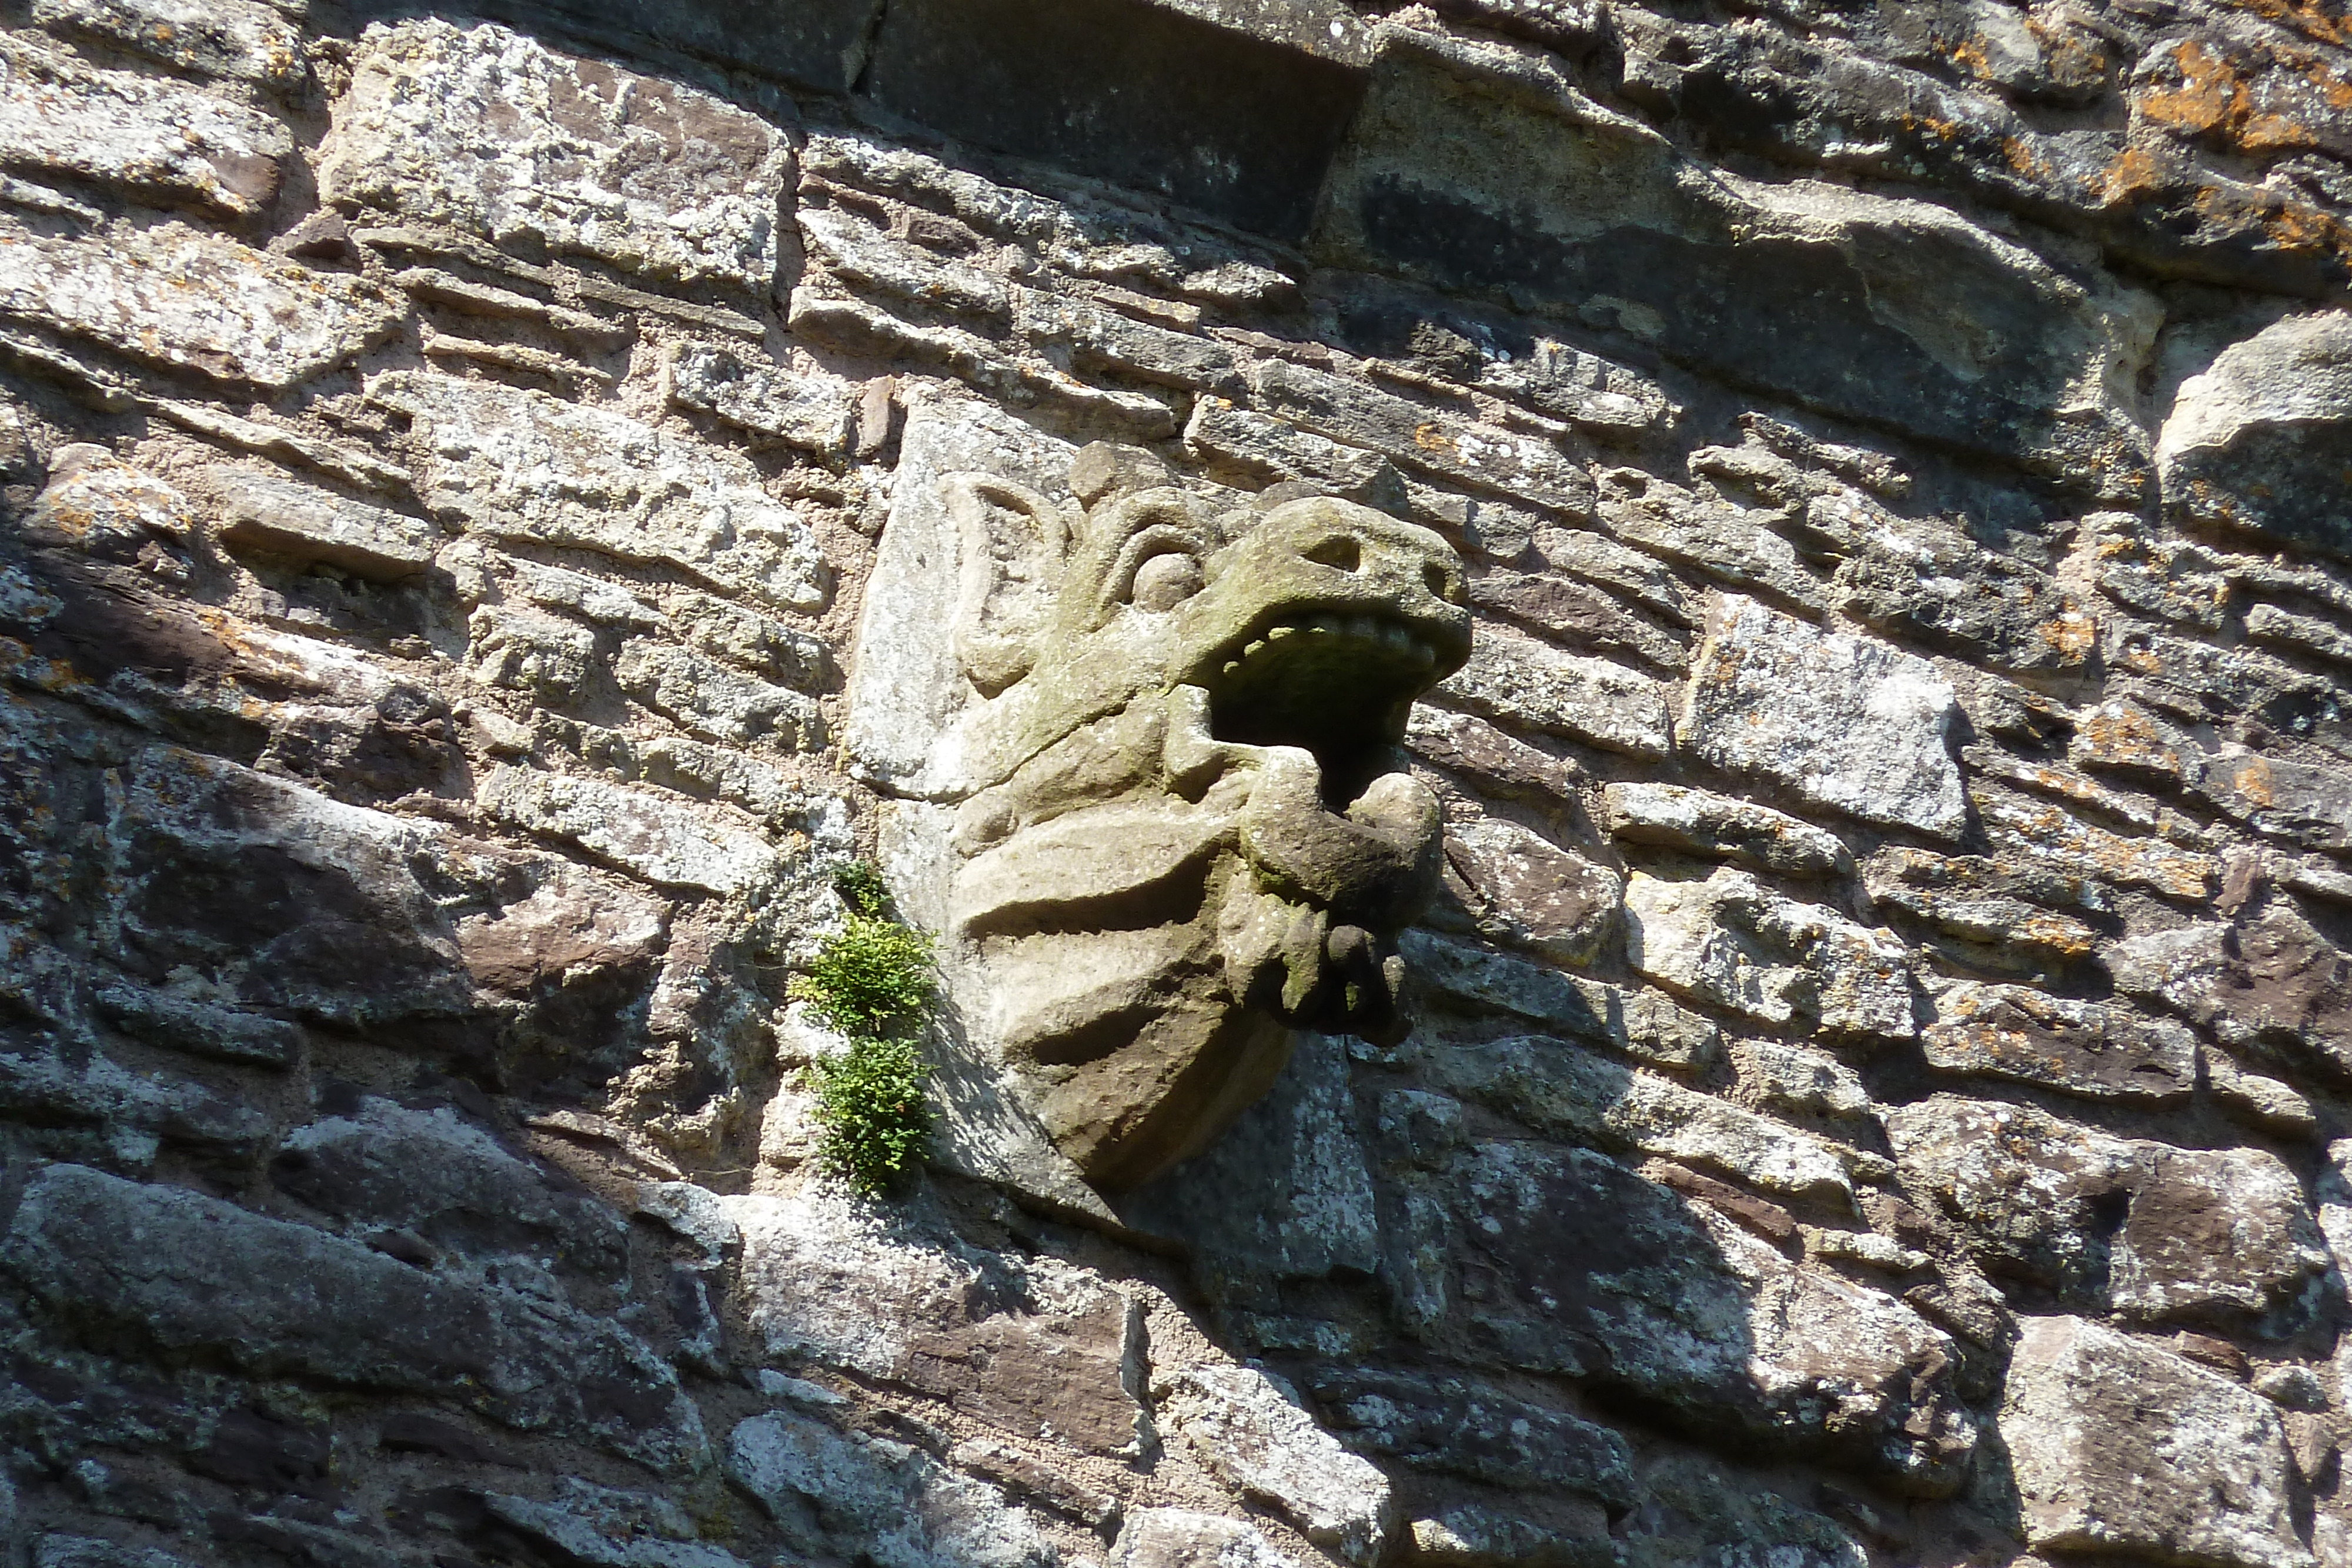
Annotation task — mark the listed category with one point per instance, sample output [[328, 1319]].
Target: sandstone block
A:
[[807, 410], [1532, 893], [483, 130], [1185, 1538], [2120, 1447], [1844, 722], [1250, 1430], [194, 303], [153, 137], [710, 700], [262, 511], [524, 465]]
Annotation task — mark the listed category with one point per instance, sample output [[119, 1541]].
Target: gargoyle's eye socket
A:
[[1165, 580], [1339, 551], [1442, 582]]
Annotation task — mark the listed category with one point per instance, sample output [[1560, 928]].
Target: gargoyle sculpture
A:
[[1184, 826]]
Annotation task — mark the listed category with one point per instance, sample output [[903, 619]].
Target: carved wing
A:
[[1014, 543]]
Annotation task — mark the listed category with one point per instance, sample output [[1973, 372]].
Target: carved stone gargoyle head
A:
[[1185, 825]]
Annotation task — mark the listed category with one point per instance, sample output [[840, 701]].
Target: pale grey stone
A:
[[1641, 1023], [711, 701], [1275, 449], [1249, 1430], [1575, 1094], [152, 137], [524, 465], [261, 510], [1474, 1534], [488, 131], [648, 832], [603, 1528], [552, 658], [193, 302], [58, 1550], [1799, 1079], [235, 38], [2215, 1234], [96, 502], [2118, 1446], [808, 409], [1844, 722], [1455, 1426], [1700, 823], [2255, 441], [1187, 1538], [1733, 942], [877, 1501], [1519, 681]]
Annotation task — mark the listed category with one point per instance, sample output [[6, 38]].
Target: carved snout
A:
[[1372, 866]]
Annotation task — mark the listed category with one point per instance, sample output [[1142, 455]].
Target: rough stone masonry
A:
[[1879, 1092]]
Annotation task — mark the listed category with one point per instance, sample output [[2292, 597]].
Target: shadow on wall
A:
[[1508, 1287]]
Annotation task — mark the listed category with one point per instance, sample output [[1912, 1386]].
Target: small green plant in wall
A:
[[871, 981]]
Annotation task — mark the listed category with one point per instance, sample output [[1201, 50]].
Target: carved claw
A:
[[1373, 866]]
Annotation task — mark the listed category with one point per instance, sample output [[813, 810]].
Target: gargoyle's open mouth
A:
[[1338, 683]]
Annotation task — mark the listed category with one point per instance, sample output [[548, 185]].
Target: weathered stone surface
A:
[[235, 39], [2219, 1236], [1846, 723], [2120, 1447], [609, 1529], [710, 700], [1602, 1275], [193, 1273], [189, 301], [524, 465], [2256, 441], [1702, 822], [152, 137], [813, 411], [650, 834], [1250, 1430], [1996, 906], [2271, 979], [260, 511], [1941, 590], [1186, 1538], [1478, 169], [1459, 1426], [891, 1504], [1572, 1093], [1731, 941], [2072, 850], [2309, 804], [2080, 1048], [1640, 1022], [1042, 1351], [1520, 682], [1532, 893], [488, 131], [434, 1174]]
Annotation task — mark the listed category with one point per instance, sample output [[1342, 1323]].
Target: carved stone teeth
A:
[[1278, 631], [1232, 665], [1254, 648]]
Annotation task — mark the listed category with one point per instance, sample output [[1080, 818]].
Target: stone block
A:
[[1482, 168], [1143, 96], [265, 512], [1250, 1430], [651, 834], [2078, 1047], [710, 700], [873, 1500], [808, 410], [1187, 1538], [1698, 822], [194, 303], [1467, 1427], [483, 130], [192, 1274], [1732, 941], [2118, 1446], [528, 466], [152, 138], [1842, 721], [1529, 893], [243, 40], [1519, 681]]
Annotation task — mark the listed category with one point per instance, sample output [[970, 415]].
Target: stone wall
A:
[[1885, 1036]]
